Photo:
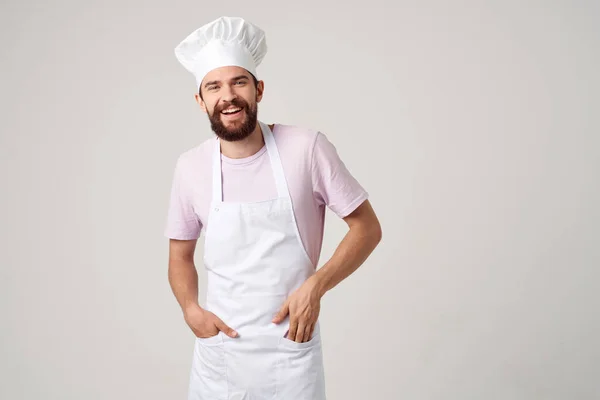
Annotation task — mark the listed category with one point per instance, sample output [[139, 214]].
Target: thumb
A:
[[225, 329], [283, 311]]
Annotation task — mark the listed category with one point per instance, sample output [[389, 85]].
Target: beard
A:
[[240, 129]]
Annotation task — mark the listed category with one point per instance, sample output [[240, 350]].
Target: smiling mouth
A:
[[231, 111]]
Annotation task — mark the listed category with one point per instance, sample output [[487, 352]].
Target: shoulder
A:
[[297, 137], [193, 157]]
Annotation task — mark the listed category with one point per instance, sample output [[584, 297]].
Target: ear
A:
[[200, 102], [260, 88]]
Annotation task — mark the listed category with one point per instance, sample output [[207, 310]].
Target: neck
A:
[[245, 147]]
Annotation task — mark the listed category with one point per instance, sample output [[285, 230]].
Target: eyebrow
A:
[[232, 79]]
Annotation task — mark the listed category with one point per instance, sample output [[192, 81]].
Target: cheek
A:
[[249, 95], [251, 99], [210, 108], [209, 103]]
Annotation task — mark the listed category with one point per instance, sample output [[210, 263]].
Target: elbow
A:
[[373, 232], [377, 233]]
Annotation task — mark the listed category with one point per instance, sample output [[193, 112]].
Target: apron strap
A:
[[217, 181], [276, 166]]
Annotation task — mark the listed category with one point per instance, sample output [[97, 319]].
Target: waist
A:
[[256, 311], [256, 281]]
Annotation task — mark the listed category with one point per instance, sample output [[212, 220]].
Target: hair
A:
[[251, 74]]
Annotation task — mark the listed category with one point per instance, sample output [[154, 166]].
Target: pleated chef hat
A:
[[226, 41]]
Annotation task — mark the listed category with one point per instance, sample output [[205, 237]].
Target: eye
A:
[[240, 82], [212, 87]]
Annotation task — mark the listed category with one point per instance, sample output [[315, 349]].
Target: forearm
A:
[[183, 279], [351, 253]]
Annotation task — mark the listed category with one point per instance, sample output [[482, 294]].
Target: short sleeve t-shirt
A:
[[316, 176]]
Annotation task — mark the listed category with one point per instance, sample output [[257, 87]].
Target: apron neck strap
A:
[[276, 166]]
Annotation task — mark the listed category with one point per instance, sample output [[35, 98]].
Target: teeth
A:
[[231, 110]]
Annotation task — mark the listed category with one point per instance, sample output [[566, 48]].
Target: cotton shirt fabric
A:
[[317, 178]]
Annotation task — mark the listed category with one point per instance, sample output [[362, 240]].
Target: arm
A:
[[183, 279], [183, 229], [304, 304], [360, 241]]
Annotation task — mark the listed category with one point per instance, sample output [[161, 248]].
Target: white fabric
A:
[[226, 41], [254, 259]]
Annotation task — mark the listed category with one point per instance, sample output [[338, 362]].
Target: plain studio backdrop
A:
[[473, 125]]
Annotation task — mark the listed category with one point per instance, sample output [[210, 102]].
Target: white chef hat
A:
[[226, 41]]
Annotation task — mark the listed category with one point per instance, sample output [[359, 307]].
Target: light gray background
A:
[[473, 125]]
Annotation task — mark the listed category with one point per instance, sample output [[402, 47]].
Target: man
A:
[[259, 193]]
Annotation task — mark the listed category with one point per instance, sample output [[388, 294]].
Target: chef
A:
[[259, 193]]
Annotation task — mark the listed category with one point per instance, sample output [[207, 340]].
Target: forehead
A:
[[225, 73]]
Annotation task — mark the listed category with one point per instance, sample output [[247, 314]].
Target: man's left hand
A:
[[303, 306]]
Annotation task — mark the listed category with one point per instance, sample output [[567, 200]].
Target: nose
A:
[[228, 93]]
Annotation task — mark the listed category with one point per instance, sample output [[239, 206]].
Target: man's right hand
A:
[[205, 324]]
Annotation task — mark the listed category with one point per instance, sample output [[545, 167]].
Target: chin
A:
[[238, 122]]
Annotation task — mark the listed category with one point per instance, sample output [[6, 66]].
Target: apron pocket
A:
[[251, 365], [300, 373], [290, 344], [208, 378]]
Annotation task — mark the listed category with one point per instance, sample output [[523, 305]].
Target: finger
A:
[[300, 332], [283, 312], [224, 328], [308, 332], [293, 329]]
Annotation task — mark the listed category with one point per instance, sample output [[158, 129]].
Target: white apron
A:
[[254, 259]]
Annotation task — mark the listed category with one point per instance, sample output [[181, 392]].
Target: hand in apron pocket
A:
[[300, 374]]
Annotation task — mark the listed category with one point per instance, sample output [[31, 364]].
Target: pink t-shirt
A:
[[315, 174]]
